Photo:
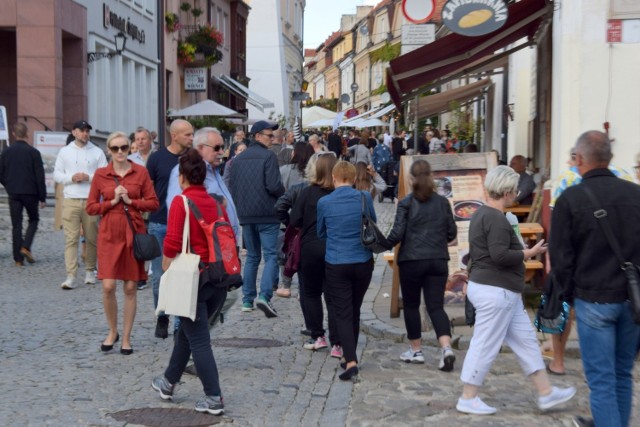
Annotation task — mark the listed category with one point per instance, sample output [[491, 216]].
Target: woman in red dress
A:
[[118, 185]]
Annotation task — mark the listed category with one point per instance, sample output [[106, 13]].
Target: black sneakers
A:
[[162, 327]]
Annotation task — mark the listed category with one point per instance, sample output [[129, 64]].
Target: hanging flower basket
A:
[[206, 41], [172, 22]]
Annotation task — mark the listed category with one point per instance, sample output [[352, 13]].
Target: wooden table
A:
[[520, 210]]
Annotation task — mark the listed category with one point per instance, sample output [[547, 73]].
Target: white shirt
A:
[[72, 159], [137, 158]]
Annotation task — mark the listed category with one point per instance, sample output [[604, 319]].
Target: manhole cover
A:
[[170, 417], [246, 342]]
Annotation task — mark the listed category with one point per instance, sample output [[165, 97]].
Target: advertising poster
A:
[[459, 178], [49, 143]]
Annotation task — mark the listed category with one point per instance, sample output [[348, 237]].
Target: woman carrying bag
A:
[[120, 192], [193, 335]]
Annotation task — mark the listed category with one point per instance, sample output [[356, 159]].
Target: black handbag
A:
[[553, 313], [630, 270], [370, 235], [145, 246]]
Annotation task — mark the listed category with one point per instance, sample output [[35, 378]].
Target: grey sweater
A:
[[495, 251]]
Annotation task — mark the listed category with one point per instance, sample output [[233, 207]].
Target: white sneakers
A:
[[477, 407], [474, 406], [411, 356], [556, 397], [90, 278], [69, 283]]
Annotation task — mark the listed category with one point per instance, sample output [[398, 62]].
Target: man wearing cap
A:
[[75, 165], [255, 187]]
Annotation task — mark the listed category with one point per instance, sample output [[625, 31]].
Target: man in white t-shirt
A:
[[75, 166]]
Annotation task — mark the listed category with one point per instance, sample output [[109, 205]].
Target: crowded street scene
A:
[[320, 213]]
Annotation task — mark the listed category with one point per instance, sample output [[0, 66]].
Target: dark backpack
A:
[[223, 267]]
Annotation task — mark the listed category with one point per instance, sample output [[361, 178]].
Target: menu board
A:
[[459, 178]]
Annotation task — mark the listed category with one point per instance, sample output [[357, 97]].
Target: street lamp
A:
[[120, 41], [354, 89]]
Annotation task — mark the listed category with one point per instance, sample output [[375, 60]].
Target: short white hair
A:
[[200, 137], [501, 180]]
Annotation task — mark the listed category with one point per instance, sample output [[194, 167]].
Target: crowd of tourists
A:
[[299, 205]]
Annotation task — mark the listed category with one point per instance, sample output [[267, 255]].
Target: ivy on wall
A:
[[385, 53]]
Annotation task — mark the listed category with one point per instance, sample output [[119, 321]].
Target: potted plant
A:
[[206, 40], [172, 22]]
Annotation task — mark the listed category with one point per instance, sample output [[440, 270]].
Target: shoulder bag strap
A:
[[601, 217], [186, 246], [126, 209]]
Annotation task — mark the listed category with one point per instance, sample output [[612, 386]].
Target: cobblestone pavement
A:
[[53, 372]]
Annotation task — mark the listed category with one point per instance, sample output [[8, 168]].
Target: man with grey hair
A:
[[316, 144], [160, 164], [278, 141], [209, 143], [142, 138], [589, 274]]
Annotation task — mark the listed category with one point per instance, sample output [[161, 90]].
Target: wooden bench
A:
[[531, 266]]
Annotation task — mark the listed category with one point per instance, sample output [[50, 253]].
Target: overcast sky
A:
[[322, 17]]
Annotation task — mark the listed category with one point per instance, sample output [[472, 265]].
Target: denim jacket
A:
[[339, 221]]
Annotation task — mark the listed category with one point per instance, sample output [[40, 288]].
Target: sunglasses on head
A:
[[116, 148]]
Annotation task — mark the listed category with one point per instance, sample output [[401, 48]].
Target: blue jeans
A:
[[608, 342], [159, 231], [193, 338], [260, 239]]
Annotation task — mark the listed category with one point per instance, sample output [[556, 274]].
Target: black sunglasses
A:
[[116, 148]]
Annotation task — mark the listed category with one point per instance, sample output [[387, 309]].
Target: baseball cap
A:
[[81, 124], [261, 125]]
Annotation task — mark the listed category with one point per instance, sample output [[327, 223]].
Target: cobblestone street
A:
[[53, 372]]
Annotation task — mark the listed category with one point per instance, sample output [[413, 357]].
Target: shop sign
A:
[[195, 79], [474, 17], [111, 19], [614, 31]]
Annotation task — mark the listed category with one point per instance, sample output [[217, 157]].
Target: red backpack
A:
[[223, 267]]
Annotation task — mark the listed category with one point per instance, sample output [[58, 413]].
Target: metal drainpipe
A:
[[505, 101], [161, 76]]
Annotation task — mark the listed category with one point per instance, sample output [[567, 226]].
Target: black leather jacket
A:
[[423, 228]]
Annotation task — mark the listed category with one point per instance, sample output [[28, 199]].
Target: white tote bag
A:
[[179, 284]]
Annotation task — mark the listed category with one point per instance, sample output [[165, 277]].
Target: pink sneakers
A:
[[317, 344], [336, 351]]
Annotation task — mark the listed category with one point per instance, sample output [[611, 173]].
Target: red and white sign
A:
[[352, 112], [614, 31], [418, 11]]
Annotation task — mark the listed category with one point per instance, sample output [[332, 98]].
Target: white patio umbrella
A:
[[315, 113], [206, 108], [319, 123]]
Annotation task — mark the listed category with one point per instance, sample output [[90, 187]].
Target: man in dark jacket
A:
[[22, 174], [255, 188], [589, 274]]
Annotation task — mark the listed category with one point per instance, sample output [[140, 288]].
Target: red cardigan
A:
[[175, 222]]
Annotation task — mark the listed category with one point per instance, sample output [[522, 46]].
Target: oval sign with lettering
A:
[[474, 17], [418, 11]]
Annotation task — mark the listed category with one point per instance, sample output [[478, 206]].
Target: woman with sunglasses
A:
[[120, 187]]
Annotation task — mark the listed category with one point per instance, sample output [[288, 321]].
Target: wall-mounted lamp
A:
[[121, 42]]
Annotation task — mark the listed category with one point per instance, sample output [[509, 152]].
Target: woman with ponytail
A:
[[425, 227]]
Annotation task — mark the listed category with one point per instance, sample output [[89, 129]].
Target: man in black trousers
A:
[[22, 174]]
